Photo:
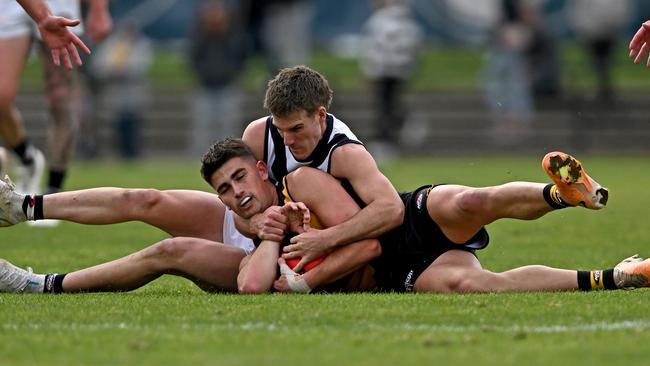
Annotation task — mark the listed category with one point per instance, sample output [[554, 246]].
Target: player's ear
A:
[[322, 112], [262, 169]]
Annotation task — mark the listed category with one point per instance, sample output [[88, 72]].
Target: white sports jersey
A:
[[280, 160], [233, 237]]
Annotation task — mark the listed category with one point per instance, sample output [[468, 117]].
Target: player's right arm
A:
[[258, 271]]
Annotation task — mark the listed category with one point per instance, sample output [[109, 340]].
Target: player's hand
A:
[[298, 216], [289, 280], [308, 246], [639, 46], [270, 225], [62, 43]]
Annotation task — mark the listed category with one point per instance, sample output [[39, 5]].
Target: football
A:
[[292, 262]]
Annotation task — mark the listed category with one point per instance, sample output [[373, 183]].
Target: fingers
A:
[[72, 50], [284, 268], [79, 43], [68, 22], [642, 53], [56, 57], [300, 265], [66, 59]]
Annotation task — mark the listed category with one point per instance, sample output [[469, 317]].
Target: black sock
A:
[[55, 181], [21, 151], [33, 207], [552, 198], [54, 283], [596, 280]]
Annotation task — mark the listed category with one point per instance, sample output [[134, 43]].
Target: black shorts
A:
[[410, 248]]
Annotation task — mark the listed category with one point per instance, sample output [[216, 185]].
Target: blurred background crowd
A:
[[409, 76]]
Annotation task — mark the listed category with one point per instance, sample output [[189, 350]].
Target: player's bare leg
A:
[[461, 211], [460, 271], [177, 212], [211, 265], [13, 53]]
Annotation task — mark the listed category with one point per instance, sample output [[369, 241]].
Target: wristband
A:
[[298, 284]]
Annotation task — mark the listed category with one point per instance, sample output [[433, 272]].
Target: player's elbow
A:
[[372, 249], [394, 215], [249, 286]]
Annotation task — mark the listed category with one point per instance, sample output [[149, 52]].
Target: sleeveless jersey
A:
[[233, 237], [280, 160]]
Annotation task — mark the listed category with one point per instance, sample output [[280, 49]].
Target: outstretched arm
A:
[[55, 33], [639, 46]]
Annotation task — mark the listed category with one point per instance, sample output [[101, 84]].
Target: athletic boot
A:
[[632, 272], [15, 279], [29, 176], [11, 204], [573, 183]]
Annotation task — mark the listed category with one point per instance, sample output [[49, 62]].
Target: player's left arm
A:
[[98, 22], [332, 205], [384, 209]]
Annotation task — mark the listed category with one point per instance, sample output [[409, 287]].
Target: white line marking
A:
[[274, 327]]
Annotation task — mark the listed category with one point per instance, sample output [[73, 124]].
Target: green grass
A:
[[441, 68], [170, 321]]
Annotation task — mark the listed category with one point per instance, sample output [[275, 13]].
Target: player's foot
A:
[[632, 272], [573, 183], [29, 176], [11, 211], [12, 278]]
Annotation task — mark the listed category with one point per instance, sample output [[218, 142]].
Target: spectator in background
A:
[[280, 30], [121, 63], [390, 43], [218, 54], [599, 23], [507, 79], [543, 65]]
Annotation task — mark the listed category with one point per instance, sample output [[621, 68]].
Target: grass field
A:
[[172, 322]]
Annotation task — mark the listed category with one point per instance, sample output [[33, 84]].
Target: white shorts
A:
[[15, 22]]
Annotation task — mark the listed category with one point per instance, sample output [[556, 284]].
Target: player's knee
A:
[[460, 281], [59, 97], [170, 249], [472, 200], [6, 102]]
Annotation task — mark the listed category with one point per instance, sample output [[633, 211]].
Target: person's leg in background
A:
[[63, 95], [14, 48]]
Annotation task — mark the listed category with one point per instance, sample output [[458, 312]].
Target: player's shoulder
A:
[[254, 135], [348, 158], [256, 127]]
